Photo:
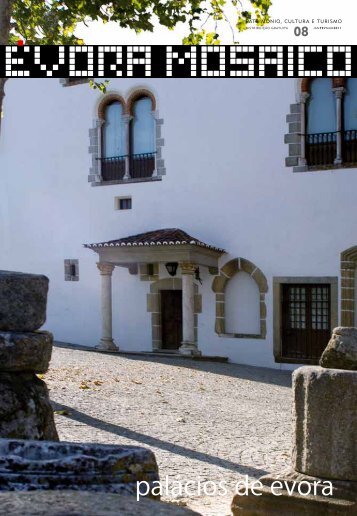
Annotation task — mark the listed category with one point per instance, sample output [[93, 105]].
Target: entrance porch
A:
[[174, 316]]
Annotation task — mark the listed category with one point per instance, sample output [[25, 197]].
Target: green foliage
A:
[[101, 86], [54, 21]]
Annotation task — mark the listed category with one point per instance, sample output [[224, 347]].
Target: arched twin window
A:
[[127, 137], [331, 123]]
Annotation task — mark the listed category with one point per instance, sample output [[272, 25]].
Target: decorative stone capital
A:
[[99, 122], [105, 269], [339, 92], [188, 268], [127, 118], [304, 95]]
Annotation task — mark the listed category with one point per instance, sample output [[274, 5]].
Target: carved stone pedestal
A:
[[323, 480]]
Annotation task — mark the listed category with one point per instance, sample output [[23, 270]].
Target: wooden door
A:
[[171, 319], [306, 325]]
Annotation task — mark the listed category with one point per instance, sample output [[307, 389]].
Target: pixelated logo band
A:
[[178, 61]]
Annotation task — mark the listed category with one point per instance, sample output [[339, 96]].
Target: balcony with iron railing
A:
[[321, 149], [140, 167]]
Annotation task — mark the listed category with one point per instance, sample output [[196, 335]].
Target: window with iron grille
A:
[[323, 127], [71, 270], [128, 138], [331, 125]]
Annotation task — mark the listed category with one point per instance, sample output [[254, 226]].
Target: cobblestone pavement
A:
[[205, 421]]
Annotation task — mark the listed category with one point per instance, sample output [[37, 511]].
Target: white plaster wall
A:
[[226, 183], [242, 305]]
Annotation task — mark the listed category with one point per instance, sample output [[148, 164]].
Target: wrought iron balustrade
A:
[[113, 168], [320, 149], [142, 165], [349, 147]]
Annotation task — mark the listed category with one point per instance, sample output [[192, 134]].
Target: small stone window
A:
[[123, 203], [71, 270]]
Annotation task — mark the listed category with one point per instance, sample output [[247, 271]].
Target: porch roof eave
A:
[[127, 255]]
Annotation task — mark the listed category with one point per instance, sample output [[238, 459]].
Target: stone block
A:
[[295, 117], [247, 266], [302, 168], [291, 161], [299, 495], [263, 310], [25, 409], [260, 280], [219, 284], [219, 309], [230, 268], [198, 303], [23, 301], [341, 351], [219, 326], [295, 149], [67, 503], [292, 138], [263, 328], [325, 422], [26, 352], [295, 127], [29, 465], [295, 108]]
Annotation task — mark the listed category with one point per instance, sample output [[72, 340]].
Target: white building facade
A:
[[218, 216]]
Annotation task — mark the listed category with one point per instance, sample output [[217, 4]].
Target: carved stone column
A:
[[106, 342], [339, 92], [302, 159], [189, 345], [154, 115], [99, 126], [126, 120]]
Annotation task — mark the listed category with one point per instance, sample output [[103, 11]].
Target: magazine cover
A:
[[178, 254]]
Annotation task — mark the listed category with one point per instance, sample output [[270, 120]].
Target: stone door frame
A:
[[154, 307], [277, 309]]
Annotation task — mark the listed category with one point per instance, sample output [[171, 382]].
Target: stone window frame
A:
[[68, 264], [278, 281], [297, 118], [95, 138], [119, 198], [219, 285], [348, 285], [154, 307]]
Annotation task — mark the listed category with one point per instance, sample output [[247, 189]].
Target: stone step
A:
[[158, 354]]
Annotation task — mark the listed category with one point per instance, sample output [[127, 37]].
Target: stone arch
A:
[[111, 97], [337, 82], [137, 94], [219, 284], [154, 306], [348, 270]]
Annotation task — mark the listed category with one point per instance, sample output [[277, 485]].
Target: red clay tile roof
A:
[[170, 236]]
